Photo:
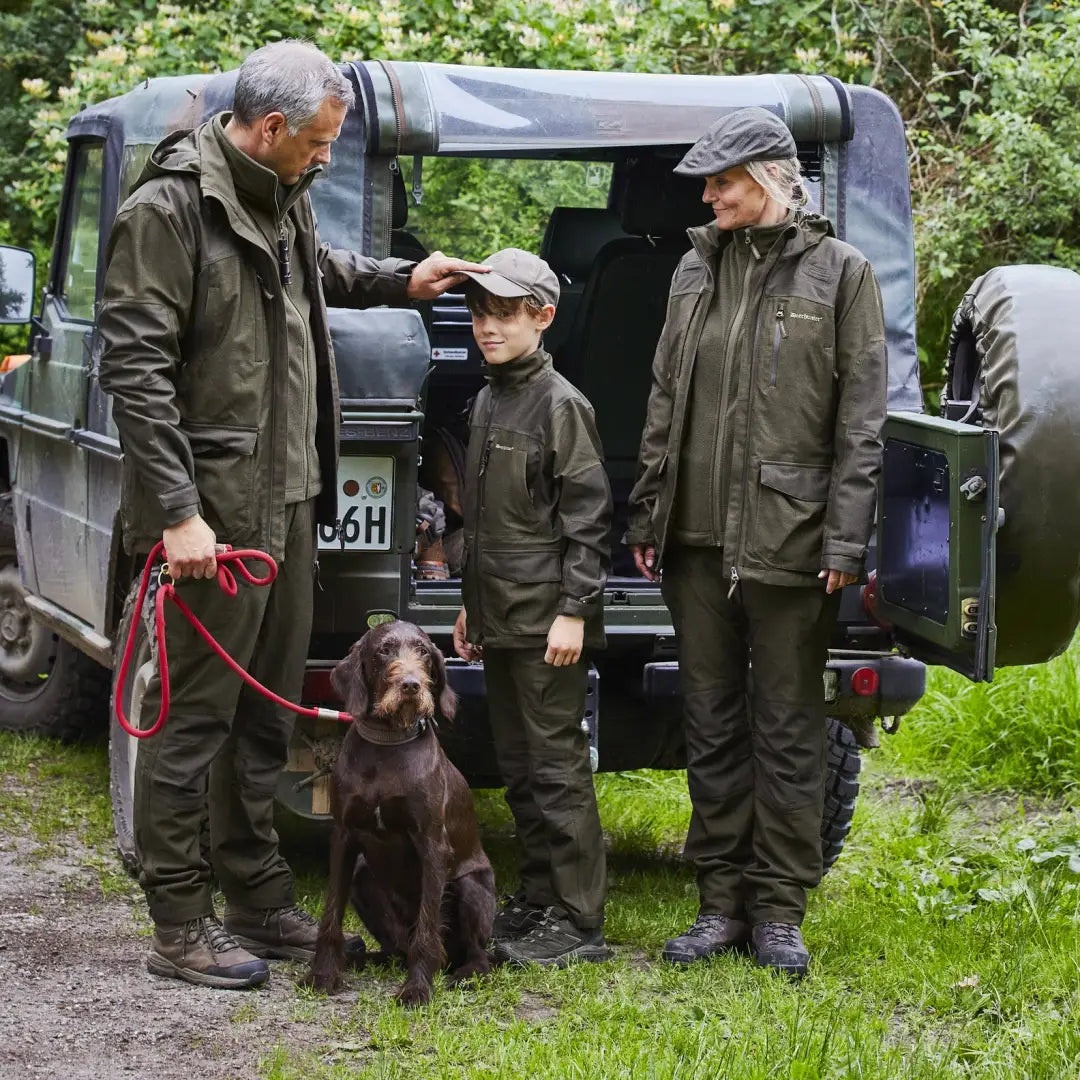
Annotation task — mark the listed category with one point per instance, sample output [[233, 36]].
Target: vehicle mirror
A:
[[16, 285]]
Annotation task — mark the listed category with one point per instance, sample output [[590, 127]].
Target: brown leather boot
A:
[[285, 933], [202, 952], [710, 935]]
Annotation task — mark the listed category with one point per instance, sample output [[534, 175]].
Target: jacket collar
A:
[[382, 736], [516, 373], [800, 231]]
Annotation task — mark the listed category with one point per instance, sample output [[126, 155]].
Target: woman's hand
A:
[[564, 641], [836, 579], [463, 647], [645, 560]]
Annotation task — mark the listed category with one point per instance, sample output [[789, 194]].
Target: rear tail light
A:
[[317, 688], [864, 681]]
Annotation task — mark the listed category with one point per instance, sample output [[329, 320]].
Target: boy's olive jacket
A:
[[809, 375], [537, 508], [196, 348]]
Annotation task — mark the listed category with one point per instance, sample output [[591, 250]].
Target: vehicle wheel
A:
[[841, 790], [123, 748], [47, 687]]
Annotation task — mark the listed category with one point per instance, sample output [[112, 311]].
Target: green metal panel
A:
[[937, 521]]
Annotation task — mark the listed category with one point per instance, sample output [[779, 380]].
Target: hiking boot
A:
[[285, 933], [203, 952], [515, 918], [710, 934], [554, 942], [780, 946]]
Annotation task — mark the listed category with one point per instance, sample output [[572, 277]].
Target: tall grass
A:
[[1020, 732]]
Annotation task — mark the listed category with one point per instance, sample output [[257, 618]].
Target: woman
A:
[[758, 471]]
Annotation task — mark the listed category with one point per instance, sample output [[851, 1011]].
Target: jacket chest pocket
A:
[[799, 342], [507, 493]]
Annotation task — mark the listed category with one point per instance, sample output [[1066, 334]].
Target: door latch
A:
[[969, 612]]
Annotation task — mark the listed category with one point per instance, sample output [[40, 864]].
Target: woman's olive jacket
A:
[[537, 508], [810, 401]]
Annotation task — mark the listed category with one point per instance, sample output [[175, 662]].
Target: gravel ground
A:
[[77, 1002]]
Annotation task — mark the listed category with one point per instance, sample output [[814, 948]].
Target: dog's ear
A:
[[350, 680], [445, 696]]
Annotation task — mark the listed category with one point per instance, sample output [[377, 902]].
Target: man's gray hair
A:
[[782, 181], [290, 77]]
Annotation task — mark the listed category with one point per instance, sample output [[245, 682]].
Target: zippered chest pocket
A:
[[509, 468], [801, 337]]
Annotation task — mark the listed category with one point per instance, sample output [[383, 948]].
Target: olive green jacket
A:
[[196, 349], [810, 402], [537, 508]]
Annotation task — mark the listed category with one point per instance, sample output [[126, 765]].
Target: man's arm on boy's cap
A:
[[584, 508]]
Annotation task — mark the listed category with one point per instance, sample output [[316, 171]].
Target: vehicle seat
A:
[[572, 239], [403, 244], [610, 350]]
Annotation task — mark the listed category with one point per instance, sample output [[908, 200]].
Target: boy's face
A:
[[507, 337]]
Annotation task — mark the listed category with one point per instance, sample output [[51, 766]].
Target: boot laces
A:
[[705, 926], [297, 913], [783, 934], [217, 937]]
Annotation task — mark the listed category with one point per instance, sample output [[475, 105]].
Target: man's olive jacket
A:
[[809, 377], [195, 349], [537, 508]]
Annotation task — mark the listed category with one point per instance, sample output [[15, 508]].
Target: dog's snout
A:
[[410, 685]]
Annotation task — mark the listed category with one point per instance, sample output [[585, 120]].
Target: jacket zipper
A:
[[485, 456], [781, 332]]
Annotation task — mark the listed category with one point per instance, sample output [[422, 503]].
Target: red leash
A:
[[167, 591]]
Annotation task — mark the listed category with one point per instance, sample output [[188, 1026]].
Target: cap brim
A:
[[496, 284]]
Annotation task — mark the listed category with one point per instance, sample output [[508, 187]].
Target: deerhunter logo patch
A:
[[802, 315]]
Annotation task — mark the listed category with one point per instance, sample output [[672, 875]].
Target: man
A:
[[218, 358]]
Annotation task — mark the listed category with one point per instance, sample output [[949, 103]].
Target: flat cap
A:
[[518, 273], [750, 134]]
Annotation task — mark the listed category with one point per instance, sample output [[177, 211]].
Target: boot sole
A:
[[586, 954], [792, 971], [274, 952], [678, 956], [158, 965]]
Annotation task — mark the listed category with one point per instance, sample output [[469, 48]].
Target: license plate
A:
[[365, 502]]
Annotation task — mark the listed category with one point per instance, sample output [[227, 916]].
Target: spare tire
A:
[[1012, 367]]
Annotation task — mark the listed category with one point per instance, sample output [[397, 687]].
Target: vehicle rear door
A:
[[938, 517]]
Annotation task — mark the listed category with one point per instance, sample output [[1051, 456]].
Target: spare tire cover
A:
[[1011, 346]]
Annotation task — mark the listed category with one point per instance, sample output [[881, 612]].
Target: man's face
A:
[[737, 200], [291, 155]]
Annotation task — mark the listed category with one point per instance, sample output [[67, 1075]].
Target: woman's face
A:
[[737, 200]]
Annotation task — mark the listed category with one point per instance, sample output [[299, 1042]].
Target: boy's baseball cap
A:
[[740, 136], [518, 273]]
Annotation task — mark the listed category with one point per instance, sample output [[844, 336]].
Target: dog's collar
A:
[[382, 737]]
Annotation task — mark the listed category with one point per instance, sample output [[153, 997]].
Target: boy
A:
[[537, 509]]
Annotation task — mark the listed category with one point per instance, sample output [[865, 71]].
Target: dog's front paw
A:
[[326, 979], [413, 994], [470, 971]]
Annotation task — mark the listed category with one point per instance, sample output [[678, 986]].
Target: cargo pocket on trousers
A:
[[521, 590], [790, 519], [224, 476]]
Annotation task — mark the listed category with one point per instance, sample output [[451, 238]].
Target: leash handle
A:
[[167, 591]]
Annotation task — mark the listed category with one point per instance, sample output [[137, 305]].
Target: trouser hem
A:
[[173, 914], [788, 916]]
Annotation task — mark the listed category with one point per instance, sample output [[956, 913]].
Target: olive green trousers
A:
[[535, 711], [224, 745], [755, 748]]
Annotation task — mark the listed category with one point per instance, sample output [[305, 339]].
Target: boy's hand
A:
[[465, 649], [438, 273], [645, 560], [564, 641]]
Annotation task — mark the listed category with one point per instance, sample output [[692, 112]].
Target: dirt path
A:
[[77, 1002]]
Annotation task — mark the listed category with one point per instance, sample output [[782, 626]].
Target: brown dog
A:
[[405, 846]]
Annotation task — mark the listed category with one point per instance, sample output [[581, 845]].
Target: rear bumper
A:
[[901, 683]]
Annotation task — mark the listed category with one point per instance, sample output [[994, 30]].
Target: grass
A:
[[944, 940]]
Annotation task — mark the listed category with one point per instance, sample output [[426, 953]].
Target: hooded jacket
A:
[[196, 347], [537, 508], [807, 399]]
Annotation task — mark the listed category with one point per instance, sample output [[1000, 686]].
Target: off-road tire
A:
[[122, 745], [69, 703], [841, 790]]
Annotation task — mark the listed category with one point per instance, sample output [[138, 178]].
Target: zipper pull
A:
[[486, 455], [734, 582], [781, 315], [283, 255], [315, 571]]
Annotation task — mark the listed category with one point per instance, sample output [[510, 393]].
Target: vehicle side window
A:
[[77, 278]]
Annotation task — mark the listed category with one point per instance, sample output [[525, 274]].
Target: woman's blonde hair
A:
[[782, 181]]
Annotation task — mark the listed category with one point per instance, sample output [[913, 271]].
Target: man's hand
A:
[[464, 648], [189, 549], [836, 579], [437, 274], [645, 560], [564, 641]]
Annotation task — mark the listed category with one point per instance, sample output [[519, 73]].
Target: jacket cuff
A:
[[578, 609], [396, 273], [842, 563], [178, 504], [638, 536]]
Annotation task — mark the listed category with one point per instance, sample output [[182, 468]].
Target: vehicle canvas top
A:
[[850, 138]]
